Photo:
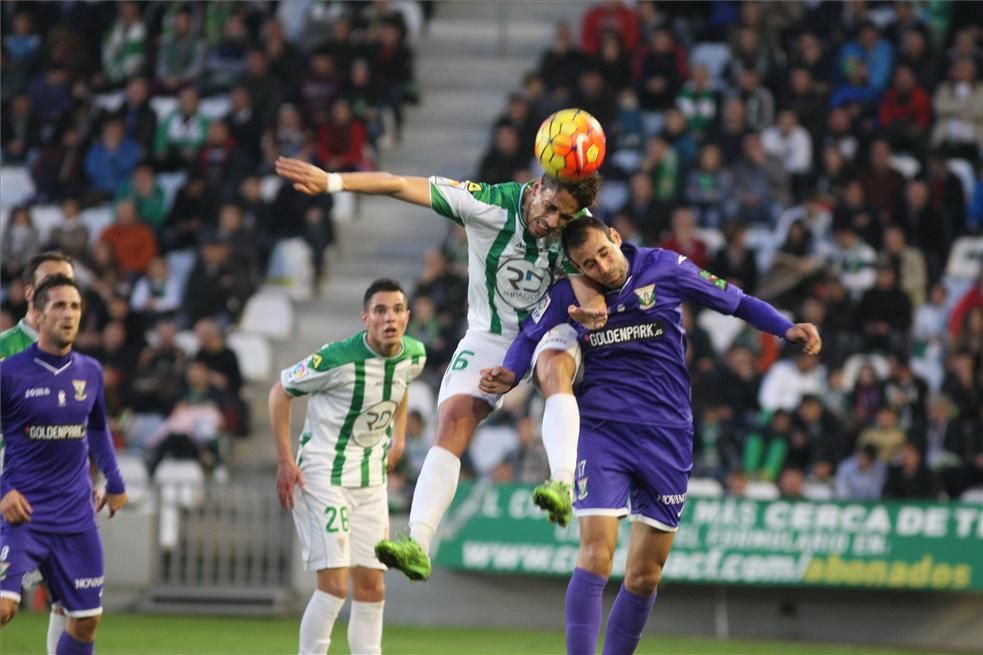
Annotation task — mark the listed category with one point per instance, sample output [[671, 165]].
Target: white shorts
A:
[[562, 337], [477, 350], [340, 526]]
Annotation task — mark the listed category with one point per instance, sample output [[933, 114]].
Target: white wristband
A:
[[334, 183]]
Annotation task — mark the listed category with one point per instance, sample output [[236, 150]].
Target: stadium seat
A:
[[853, 364], [254, 355], [722, 329], [109, 102], [712, 55], [704, 488], [187, 341], [817, 491], [171, 183], [16, 186], [972, 495], [713, 237], [906, 165], [290, 268], [180, 263], [963, 170], [965, 260], [98, 219], [269, 187], [761, 490], [182, 485], [135, 476], [269, 313], [163, 106], [46, 218], [215, 107]]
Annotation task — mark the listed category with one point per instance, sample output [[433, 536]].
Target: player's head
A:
[[551, 204], [385, 313], [42, 266], [58, 305], [595, 249]]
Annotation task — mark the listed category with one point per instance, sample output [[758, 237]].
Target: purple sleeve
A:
[[705, 288], [762, 316], [550, 312], [101, 445]]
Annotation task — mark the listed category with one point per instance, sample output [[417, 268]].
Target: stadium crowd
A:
[[147, 130], [827, 157]]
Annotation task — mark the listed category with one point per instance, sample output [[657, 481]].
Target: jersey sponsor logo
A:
[[672, 499], [370, 427], [37, 392], [714, 280], [624, 334], [646, 296], [89, 583], [79, 389], [56, 432], [537, 313], [521, 284]]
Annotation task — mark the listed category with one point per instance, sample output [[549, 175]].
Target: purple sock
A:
[[69, 645], [584, 612], [626, 622]]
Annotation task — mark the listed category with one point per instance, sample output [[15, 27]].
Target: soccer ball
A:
[[570, 145]]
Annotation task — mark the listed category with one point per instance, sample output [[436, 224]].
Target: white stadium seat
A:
[[254, 354], [291, 269], [97, 219], [136, 478], [712, 55], [16, 186], [163, 106], [45, 219], [963, 170], [761, 490], [906, 165], [704, 488], [215, 107], [269, 313], [722, 329]]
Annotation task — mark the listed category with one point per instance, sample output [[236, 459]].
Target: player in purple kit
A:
[[636, 436], [53, 415]]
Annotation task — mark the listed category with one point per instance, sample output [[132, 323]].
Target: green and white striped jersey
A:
[[509, 270], [354, 392]]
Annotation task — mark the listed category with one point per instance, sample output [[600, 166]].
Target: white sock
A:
[[365, 628], [561, 430], [433, 494], [315, 626], [56, 626]]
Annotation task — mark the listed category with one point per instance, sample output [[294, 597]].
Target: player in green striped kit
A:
[[20, 337], [336, 486], [514, 254]]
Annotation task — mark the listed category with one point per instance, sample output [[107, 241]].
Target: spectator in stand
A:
[[710, 189], [138, 117], [883, 185], [678, 135], [342, 144], [148, 196], [124, 47], [225, 59], [842, 134], [884, 313], [927, 226], [264, 89], [110, 162], [906, 113], [221, 361], [910, 478], [809, 54], [211, 288], [761, 184], [759, 102], [606, 15], [958, 106], [661, 71], [71, 236], [21, 130], [133, 242], [698, 100], [504, 158], [852, 260], [447, 288], [789, 380], [181, 55], [287, 137], [244, 122], [824, 441], [729, 132], [21, 240], [876, 53], [59, 170], [791, 143], [364, 93], [181, 134], [885, 434], [560, 64], [157, 294], [683, 238], [220, 161], [644, 209], [735, 262], [159, 375], [793, 266], [965, 390], [856, 94], [285, 59], [22, 49], [807, 101], [593, 94], [394, 63], [861, 476], [662, 165], [51, 94], [909, 262]]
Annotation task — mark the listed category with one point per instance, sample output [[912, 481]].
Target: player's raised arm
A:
[[308, 178]]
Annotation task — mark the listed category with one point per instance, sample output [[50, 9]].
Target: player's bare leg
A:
[[598, 539], [647, 555], [555, 371], [368, 601], [457, 418], [322, 610], [79, 635]]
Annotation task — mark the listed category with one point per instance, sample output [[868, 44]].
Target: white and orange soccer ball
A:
[[570, 145]]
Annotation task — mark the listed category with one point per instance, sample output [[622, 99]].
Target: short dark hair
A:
[[577, 232], [583, 191], [382, 284], [42, 257], [53, 282]]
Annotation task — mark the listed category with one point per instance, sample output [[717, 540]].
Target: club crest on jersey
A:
[[3, 569], [79, 389], [714, 280], [582, 488], [646, 296], [61, 398]]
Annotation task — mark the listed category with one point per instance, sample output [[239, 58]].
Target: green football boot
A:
[[556, 499], [406, 555]]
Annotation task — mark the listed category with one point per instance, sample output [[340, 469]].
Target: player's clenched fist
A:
[[807, 334], [288, 475], [496, 380], [15, 508]]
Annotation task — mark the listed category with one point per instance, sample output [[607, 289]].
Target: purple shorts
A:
[[71, 564], [637, 470]]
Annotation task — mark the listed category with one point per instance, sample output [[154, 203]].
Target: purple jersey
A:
[[636, 364], [53, 414]]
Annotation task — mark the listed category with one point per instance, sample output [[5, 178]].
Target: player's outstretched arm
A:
[[496, 379], [806, 334], [308, 178], [288, 474]]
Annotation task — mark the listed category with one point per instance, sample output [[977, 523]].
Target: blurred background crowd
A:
[[825, 156]]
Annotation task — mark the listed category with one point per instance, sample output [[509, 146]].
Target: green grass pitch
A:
[[140, 634]]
